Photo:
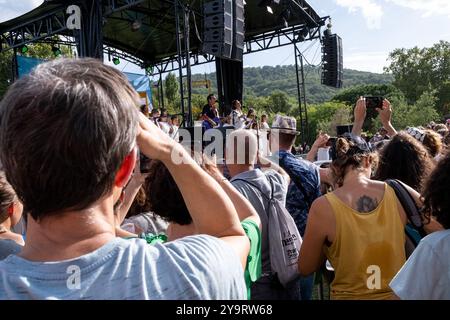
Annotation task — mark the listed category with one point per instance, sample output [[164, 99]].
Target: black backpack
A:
[[414, 230]]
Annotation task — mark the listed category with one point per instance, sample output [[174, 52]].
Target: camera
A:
[[374, 102]]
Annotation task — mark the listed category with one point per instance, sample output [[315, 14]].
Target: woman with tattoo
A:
[[359, 227]]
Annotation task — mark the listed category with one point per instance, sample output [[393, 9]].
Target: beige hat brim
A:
[[286, 131]]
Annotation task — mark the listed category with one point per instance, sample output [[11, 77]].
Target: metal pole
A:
[[305, 120], [180, 59], [301, 93], [188, 64], [161, 90], [298, 89], [15, 66]]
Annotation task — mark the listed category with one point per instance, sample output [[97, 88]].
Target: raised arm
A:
[[212, 212], [360, 116], [385, 118], [320, 142]]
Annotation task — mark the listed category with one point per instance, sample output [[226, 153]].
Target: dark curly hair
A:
[[406, 159], [348, 155], [436, 199], [164, 197]]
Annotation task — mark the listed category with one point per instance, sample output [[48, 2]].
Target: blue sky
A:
[[370, 29]]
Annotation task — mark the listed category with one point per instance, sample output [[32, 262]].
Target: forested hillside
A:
[[262, 81]]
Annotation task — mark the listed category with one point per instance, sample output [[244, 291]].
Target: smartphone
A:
[[144, 163], [374, 102]]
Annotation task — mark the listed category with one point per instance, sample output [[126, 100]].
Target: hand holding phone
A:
[[374, 102]]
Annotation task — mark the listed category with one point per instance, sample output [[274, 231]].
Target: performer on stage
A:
[[210, 114], [237, 117]]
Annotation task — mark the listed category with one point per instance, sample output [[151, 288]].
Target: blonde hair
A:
[[433, 142]]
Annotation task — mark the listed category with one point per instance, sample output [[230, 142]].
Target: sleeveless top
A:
[[368, 250]]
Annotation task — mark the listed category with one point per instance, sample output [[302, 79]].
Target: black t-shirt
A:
[[207, 111]]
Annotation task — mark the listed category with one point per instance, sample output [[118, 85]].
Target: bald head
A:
[[241, 148]]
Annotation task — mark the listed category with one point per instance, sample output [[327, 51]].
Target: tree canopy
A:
[[418, 70]]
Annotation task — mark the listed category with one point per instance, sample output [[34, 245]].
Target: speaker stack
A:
[[332, 66], [223, 28]]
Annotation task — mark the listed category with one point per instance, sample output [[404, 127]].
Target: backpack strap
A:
[[408, 204], [256, 187]]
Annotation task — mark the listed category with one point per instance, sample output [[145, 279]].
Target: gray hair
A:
[[65, 130]]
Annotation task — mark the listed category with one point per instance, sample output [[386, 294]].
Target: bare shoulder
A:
[[321, 207], [380, 185]]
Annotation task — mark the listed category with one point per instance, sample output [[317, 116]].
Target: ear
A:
[[126, 169], [11, 210]]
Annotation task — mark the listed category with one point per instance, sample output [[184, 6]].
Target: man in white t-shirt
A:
[[69, 163]]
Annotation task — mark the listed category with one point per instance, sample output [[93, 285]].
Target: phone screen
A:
[[374, 102]]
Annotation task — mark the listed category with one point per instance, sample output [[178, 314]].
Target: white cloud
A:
[[366, 61], [10, 9], [371, 11], [428, 7]]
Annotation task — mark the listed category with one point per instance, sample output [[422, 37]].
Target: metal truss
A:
[[119, 5], [265, 41], [45, 26]]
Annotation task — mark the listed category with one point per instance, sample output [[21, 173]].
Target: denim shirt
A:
[[298, 202]]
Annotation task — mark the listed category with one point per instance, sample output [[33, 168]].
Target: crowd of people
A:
[[81, 219]]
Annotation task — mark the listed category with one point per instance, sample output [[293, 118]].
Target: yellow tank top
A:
[[368, 250]]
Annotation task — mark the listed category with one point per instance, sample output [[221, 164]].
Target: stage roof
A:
[[155, 40]]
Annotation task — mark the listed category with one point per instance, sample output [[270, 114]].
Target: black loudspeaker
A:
[[218, 28], [332, 64], [239, 31]]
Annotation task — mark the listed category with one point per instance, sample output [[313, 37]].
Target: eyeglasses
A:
[[416, 133]]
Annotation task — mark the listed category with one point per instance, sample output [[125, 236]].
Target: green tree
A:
[[418, 70], [279, 102], [418, 114], [6, 72], [260, 104], [36, 50], [171, 88], [325, 116], [350, 95]]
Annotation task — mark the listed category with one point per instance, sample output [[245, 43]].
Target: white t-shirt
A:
[[165, 127], [426, 274], [175, 134], [195, 267], [237, 119]]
